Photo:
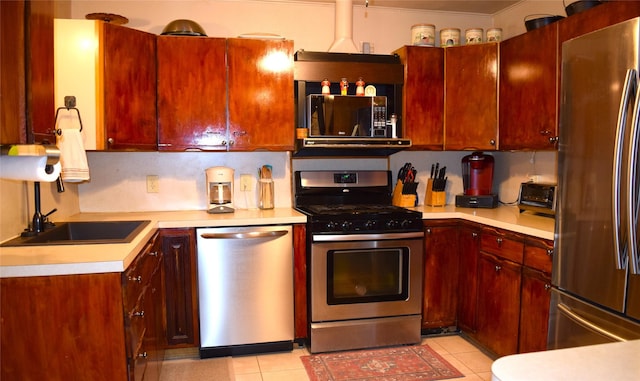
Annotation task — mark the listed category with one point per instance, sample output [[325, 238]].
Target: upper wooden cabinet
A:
[[609, 13], [26, 71], [114, 84], [423, 96], [261, 103], [471, 97], [129, 89], [528, 90], [192, 95], [230, 94]]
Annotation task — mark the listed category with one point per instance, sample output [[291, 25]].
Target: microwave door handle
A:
[[633, 201], [630, 85]]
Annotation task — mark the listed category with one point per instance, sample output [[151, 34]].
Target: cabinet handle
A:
[[492, 142], [547, 286], [545, 132], [550, 252], [231, 142], [428, 231], [499, 241], [143, 354], [138, 314], [154, 253], [498, 268], [474, 235], [136, 278], [553, 139], [110, 140]]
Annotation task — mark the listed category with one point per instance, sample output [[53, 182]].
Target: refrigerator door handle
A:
[[564, 309], [630, 86], [633, 202]]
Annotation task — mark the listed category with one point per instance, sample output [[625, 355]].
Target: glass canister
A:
[[266, 195]]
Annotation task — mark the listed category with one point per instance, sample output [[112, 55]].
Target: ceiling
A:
[[470, 6]]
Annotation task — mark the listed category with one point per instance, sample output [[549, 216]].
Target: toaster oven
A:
[[538, 197]]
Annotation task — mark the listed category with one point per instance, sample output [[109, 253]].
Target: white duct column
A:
[[343, 41]]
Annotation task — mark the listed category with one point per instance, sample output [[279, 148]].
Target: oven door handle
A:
[[365, 237]]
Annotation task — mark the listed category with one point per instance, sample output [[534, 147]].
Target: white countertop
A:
[[613, 361], [99, 258]]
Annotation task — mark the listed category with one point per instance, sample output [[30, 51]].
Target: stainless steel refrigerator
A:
[[596, 270]]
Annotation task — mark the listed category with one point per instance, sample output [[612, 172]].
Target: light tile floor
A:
[[459, 352]]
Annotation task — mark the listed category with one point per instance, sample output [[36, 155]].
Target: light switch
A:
[[246, 181], [153, 184]]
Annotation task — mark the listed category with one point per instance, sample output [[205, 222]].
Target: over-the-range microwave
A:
[[347, 115]]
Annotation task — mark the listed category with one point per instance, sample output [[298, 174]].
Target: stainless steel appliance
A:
[[538, 198], [365, 261], [245, 290], [596, 293], [344, 130], [219, 190]]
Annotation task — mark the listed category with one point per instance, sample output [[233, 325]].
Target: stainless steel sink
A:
[[83, 233]]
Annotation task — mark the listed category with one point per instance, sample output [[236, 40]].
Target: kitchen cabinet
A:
[[192, 95], [468, 255], [608, 13], [129, 87], [471, 97], [423, 96], [440, 295], [114, 83], [180, 285], [528, 90], [499, 284], [301, 321], [231, 94], [26, 71], [90, 326], [536, 295]]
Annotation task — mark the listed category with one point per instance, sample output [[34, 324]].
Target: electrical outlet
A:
[[153, 184], [245, 182]]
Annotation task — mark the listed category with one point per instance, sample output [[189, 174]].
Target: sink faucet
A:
[[39, 222]]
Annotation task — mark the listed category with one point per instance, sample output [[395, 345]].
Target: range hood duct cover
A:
[[343, 40]]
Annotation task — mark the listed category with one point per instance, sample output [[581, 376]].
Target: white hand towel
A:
[[73, 157]]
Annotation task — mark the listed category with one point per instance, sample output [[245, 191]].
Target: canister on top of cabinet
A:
[[494, 35], [473, 36], [423, 34], [450, 37]]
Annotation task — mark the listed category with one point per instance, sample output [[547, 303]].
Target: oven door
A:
[[356, 276]]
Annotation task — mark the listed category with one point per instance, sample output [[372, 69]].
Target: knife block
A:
[[402, 200], [434, 198]]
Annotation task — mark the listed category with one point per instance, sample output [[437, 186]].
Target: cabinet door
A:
[[423, 98], [178, 246], [261, 104], [129, 89], [300, 281], [192, 93], [440, 276], [498, 304], [471, 97], [609, 13], [528, 90], [469, 250], [534, 311]]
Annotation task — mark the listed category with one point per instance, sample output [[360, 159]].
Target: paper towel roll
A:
[[29, 168]]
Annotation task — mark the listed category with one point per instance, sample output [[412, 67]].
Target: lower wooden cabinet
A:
[[468, 252], [439, 303], [180, 285], [301, 321], [99, 327]]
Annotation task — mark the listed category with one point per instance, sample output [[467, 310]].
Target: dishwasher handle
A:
[[243, 235]]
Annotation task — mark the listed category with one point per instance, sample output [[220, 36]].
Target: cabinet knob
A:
[[138, 314], [553, 139], [143, 354], [547, 286], [428, 231], [499, 241], [550, 252], [136, 278], [154, 253], [231, 142], [492, 142], [474, 235], [545, 132], [110, 140], [498, 268]]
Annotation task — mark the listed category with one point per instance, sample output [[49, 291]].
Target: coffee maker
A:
[[477, 181], [219, 190]]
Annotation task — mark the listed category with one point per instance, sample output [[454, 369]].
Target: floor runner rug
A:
[[405, 363]]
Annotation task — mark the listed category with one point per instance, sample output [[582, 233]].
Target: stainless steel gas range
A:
[[365, 260]]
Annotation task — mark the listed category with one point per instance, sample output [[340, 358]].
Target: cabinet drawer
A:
[[509, 247], [538, 254], [139, 274], [135, 323]]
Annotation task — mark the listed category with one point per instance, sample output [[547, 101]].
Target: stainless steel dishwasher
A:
[[245, 290]]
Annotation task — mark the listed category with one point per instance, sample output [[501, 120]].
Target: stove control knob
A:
[[370, 225], [392, 224], [346, 226], [405, 224], [331, 226]]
